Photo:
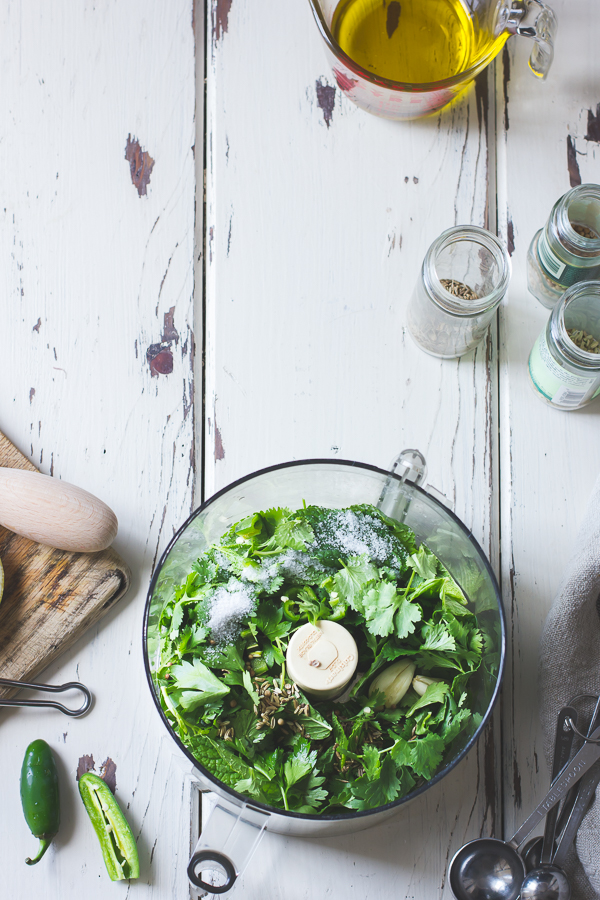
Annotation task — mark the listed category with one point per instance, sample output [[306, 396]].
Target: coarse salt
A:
[[229, 606], [353, 535]]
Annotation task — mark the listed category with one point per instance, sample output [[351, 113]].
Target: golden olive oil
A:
[[414, 41]]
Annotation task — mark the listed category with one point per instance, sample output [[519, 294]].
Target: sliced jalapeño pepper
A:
[[116, 840], [339, 610], [291, 613], [39, 795]]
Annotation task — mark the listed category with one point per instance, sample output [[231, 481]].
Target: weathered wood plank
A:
[[97, 222], [318, 217], [549, 458]]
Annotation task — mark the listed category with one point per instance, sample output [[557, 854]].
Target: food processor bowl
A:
[[231, 834]]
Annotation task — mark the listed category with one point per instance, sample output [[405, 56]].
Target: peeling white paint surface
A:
[[318, 217], [549, 459], [90, 271], [121, 376]]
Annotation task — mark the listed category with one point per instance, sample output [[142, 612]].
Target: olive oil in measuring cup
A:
[[411, 41]]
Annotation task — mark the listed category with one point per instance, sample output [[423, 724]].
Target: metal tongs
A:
[[53, 689]]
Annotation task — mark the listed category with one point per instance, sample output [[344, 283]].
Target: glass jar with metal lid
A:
[[567, 249], [464, 277], [564, 364]]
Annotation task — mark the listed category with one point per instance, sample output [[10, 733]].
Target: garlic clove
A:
[[420, 683], [394, 682]]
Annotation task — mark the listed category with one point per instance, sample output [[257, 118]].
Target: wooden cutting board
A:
[[51, 597]]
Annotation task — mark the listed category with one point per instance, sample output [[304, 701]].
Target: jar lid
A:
[[322, 658]]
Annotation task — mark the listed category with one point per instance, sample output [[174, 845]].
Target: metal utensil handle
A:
[[49, 688], [586, 791], [562, 750], [571, 797], [572, 772]]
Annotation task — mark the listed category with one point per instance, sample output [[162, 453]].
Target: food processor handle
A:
[[229, 837]]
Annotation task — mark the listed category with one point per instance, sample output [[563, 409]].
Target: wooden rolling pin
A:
[[53, 512]]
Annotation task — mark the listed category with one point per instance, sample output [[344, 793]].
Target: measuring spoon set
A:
[[493, 869]]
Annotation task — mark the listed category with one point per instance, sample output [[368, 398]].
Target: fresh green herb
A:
[[223, 637]]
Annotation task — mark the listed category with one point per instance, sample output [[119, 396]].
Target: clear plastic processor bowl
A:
[[337, 484]]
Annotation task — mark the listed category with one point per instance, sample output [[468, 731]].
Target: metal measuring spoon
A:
[[506, 876], [532, 851], [563, 743], [548, 881], [492, 869]]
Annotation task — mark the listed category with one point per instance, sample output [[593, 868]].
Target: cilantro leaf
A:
[[423, 755], [407, 616], [225, 658], [371, 761], [352, 577], [370, 792], [388, 611], [268, 619], [195, 685], [314, 795], [247, 681], [380, 604], [299, 764], [437, 637], [315, 726], [435, 693], [176, 620], [206, 568], [294, 533], [424, 563]]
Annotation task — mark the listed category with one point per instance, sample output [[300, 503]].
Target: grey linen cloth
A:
[[570, 665]]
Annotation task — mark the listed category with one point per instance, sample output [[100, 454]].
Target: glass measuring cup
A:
[[404, 60]]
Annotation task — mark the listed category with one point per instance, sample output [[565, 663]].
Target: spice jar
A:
[[464, 277], [564, 364], [567, 249]]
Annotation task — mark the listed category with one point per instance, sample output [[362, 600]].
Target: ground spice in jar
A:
[[584, 231], [566, 250], [583, 340], [458, 289], [447, 317]]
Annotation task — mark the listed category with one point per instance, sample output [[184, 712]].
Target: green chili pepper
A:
[[259, 665], [290, 609], [116, 840], [39, 795]]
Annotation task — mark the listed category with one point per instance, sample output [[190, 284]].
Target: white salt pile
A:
[[298, 566], [229, 607], [354, 535]]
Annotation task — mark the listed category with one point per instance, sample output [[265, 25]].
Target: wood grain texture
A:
[[51, 597], [317, 220], [318, 217], [99, 382], [550, 459]]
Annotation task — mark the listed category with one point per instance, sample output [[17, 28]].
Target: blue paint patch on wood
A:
[[325, 99]]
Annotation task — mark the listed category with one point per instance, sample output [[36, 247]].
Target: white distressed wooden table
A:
[[206, 261]]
